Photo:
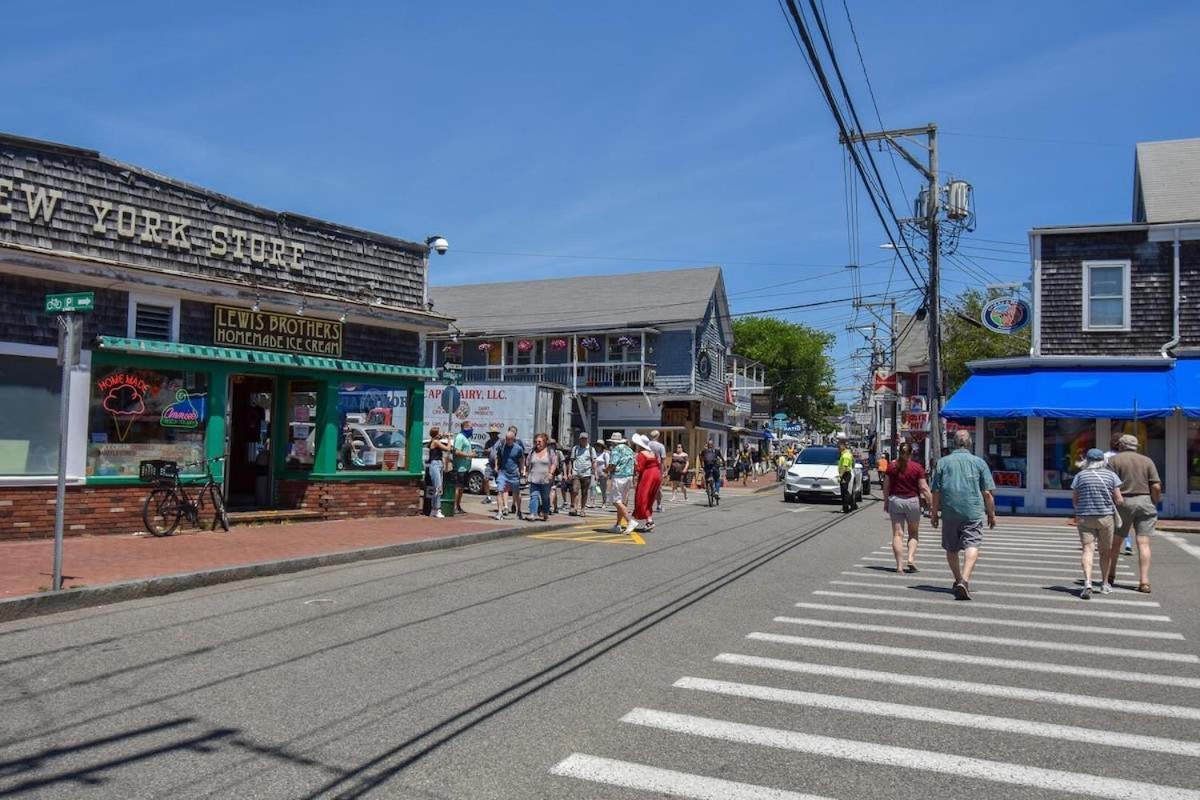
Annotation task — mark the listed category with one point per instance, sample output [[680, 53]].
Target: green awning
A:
[[265, 357]]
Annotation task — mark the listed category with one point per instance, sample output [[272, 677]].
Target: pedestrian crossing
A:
[[879, 683]]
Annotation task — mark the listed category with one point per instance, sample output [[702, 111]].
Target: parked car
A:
[[814, 473], [379, 446], [476, 473]]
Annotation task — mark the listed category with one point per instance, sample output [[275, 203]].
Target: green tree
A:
[[965, 339], [799, 369]]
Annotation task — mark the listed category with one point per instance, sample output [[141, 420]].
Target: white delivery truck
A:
[[492, 408]]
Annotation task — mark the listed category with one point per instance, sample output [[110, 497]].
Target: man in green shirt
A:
[[846, 475], [962, 494], [463, 453]]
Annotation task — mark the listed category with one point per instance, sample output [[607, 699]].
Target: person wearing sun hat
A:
[[649, 481], [620, 468], [1097, 495]]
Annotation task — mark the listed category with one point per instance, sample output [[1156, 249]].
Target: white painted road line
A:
[[1004, 691], [1008, 558], [1008, 623], [1179, 541], [1056, 585], [1155, 744], [629, 775], [1054, 668], [984, 561], [1090, 611], [1047, 595], [873, 569], [907, 758], [954, 636]]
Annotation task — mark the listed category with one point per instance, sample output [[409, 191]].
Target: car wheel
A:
[[789, 498], [475, 483]]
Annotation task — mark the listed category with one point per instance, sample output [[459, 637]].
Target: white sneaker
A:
[[631, 528], [1106, 588], [438, 515]]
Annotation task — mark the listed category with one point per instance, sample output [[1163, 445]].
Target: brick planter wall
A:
[[342, 499], [28, 513]]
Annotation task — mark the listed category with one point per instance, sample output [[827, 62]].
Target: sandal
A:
[[1144, 588]]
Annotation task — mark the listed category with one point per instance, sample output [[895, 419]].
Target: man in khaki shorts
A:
[[1097, 494], [1141, 489]]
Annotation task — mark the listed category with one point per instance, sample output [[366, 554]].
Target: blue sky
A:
[[550, 138]]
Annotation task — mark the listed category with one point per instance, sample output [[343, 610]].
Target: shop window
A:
[[155, 318], [1193, 456], [373, 421], [302, 424], [1152, 438], [30, 395], [627, 347], [142, 414], [1066, 441], [1106, 295], [1005, 448]]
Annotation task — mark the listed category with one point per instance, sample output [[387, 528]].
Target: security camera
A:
[[439, 244]]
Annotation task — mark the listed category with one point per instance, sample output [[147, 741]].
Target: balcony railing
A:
[[591, 376]]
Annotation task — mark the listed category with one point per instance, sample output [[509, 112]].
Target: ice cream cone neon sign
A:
[[124, 400]]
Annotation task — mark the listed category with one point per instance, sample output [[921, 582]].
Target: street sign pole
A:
[[70, 330]]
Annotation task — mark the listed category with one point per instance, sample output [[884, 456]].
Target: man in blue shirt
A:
[[509, 457], [1097, 496], [962, 495]]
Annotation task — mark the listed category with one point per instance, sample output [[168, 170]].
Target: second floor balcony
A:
[[604, 376]]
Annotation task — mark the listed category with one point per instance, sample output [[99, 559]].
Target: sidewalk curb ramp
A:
[[36, 605]]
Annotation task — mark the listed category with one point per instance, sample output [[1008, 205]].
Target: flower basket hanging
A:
[[486, 346], [525, 345], [450, 347], [558, 344], [627, 341], [590, 343]]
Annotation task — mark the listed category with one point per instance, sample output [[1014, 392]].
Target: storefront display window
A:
[[373, 421], [1193, 455], [302, 425], [1066, 441], [143, 414], [30, 389], [1005, 448], [1152, 436]]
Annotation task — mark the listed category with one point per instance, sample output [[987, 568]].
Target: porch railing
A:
[[590, 376]]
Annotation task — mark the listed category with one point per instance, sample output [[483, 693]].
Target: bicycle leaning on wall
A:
[[170, 502]]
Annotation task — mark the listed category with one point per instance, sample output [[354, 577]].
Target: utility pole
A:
[[927, 218]]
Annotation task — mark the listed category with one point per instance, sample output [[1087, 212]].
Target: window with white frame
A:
[[1106, 295], [154, 317]]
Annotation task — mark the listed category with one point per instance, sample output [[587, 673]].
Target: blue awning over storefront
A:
[[1081, 393], [1187, 386]]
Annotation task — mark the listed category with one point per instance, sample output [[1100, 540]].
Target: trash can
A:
[[448, 488]]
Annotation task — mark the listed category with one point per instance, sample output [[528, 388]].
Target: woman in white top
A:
[[601, 481]]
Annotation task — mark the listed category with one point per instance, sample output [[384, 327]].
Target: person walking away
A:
[[1096, 491], [660, 452], [678, 472], [845, 468], [1141, 489], [541, 471], [743, 466], [649, 484], [963, 495], [1128, 548], [437, 469], [755, 464], [601, 480], [904, 490], [583, 469], [509, 457], [463, 453], [489, 472], [712, 462], [620, 469]]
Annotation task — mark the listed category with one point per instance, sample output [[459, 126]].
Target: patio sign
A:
[[1005, 315]]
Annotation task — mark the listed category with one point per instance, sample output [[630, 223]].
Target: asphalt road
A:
[[757, 650]]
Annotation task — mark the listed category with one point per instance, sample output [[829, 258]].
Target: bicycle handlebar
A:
[[205, 461]]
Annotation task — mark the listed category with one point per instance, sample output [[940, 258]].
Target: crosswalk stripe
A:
[[956, 765], [1066, 647], [1013, 623], [1055, 668], [987, 555], [1058, 575], [1003, 691], [629, 775], [1092, 611], [1049, 596], [984, 560], [1059, 585], [924, 714]]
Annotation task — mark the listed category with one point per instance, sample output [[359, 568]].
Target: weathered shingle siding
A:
[[23, 319], [382, 345], [710, 338], [673, 353], [335, 261], [1061, 301]]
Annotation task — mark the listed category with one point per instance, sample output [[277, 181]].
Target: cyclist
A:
[[712, 462]]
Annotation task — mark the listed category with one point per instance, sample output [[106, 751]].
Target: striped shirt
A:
[[1093, 491]]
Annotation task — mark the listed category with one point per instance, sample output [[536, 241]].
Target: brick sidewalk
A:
[[26, 566]]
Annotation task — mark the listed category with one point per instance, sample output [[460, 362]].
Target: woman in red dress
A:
[[649, 481]]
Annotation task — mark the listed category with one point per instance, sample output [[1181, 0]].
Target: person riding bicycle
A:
[[712, 462]]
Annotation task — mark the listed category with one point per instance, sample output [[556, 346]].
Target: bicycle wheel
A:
[[220, 517], [162, 511]]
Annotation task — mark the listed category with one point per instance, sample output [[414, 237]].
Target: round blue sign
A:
[[1005, 314], [451, 397]]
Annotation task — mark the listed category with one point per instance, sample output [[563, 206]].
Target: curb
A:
[[36, 605]]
